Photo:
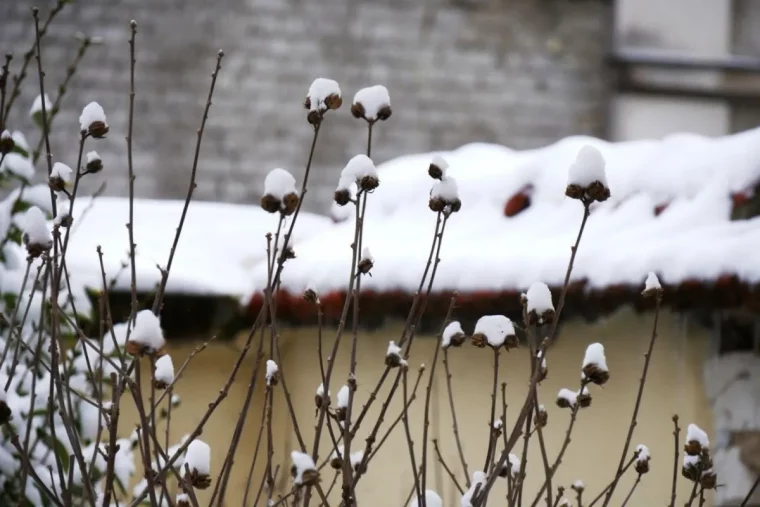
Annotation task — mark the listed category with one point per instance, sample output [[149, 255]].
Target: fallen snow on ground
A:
[[484, 250], [220, 244]]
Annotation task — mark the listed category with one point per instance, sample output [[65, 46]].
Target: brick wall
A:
[[519, 72]]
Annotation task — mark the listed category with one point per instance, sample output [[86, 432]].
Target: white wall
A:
[[699, 28]]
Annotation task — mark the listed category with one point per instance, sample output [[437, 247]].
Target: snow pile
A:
[[273, 373], [696, 435], [147, 334], [432, 499], [478, 479], [18, 165], [453, 335], [92, 113], [372, 103], [690, 177], [323, 94], [594, 366], [304, 470], [220, 243], [587, 168], [198, 457], [164, 372], [494, 330]]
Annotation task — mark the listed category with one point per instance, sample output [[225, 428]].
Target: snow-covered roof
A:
[[220, 244], [669, 212]]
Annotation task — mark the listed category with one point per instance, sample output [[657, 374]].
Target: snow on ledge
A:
[[693, 238], [220, 243]]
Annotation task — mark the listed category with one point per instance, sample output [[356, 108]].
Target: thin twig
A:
[[647, 358], [446, 467], [428, 396], [750, 492], [630, 493], [455, 425], [190, 189], [676, 460]]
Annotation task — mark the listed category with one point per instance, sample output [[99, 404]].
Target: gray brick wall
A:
[[519, 72]]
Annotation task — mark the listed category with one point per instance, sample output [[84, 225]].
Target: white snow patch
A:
[[696, 434], [570, 396], [539, 298], [449, 331], [279, 183], [92, 156], [320, 89], [595, 356], [61, 170], [37, 106], [147, 331], [272, 370], [164, 369], [440, 163], [445, 189], [343, 396], [367, 255], [393, 350], [35, 227], [18, 165], [373, 98], [478, 479], [432, 499], [643, 453], [91, 113], [587, 168], [220, 244], [652, 282], [496, 328], [198, 457], [303, 463]]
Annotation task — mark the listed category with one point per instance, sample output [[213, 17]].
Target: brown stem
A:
[[455, 425], [131, 173], [630, 493], [647, 358], [492, 435], [19, 78], [544, 457], [607, 487], [676, 455], [3, 83], [409, 442], [165, 273], [530, 399], [428, 395], [446, 467], [398, 419], [750, 492]]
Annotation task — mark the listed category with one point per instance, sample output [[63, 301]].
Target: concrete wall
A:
[[518, 72]]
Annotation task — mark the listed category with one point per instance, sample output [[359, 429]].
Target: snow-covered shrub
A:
[[63, 390]]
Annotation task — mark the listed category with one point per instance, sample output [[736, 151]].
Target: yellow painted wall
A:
[[674, 386]]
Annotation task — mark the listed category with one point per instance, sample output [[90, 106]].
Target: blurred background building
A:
[[523, 73]]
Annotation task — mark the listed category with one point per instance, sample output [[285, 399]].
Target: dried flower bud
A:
[[342, 196], [94, 163], [200, 481], [479, 340], [310, 296], [437, 204], [288, 253], [541, 418], [511, 342], [372, 104], [182, 500], [457, 339], [596, 374], [323, 95], [587, 180], [578, 487], [584, 398], [270, 203], [289, 203], [369, 183], [709, 479], [341, 413], [366, 263], [6, 142], [336, 462]]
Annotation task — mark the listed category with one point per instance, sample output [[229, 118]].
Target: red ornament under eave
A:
[[518, 202]]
